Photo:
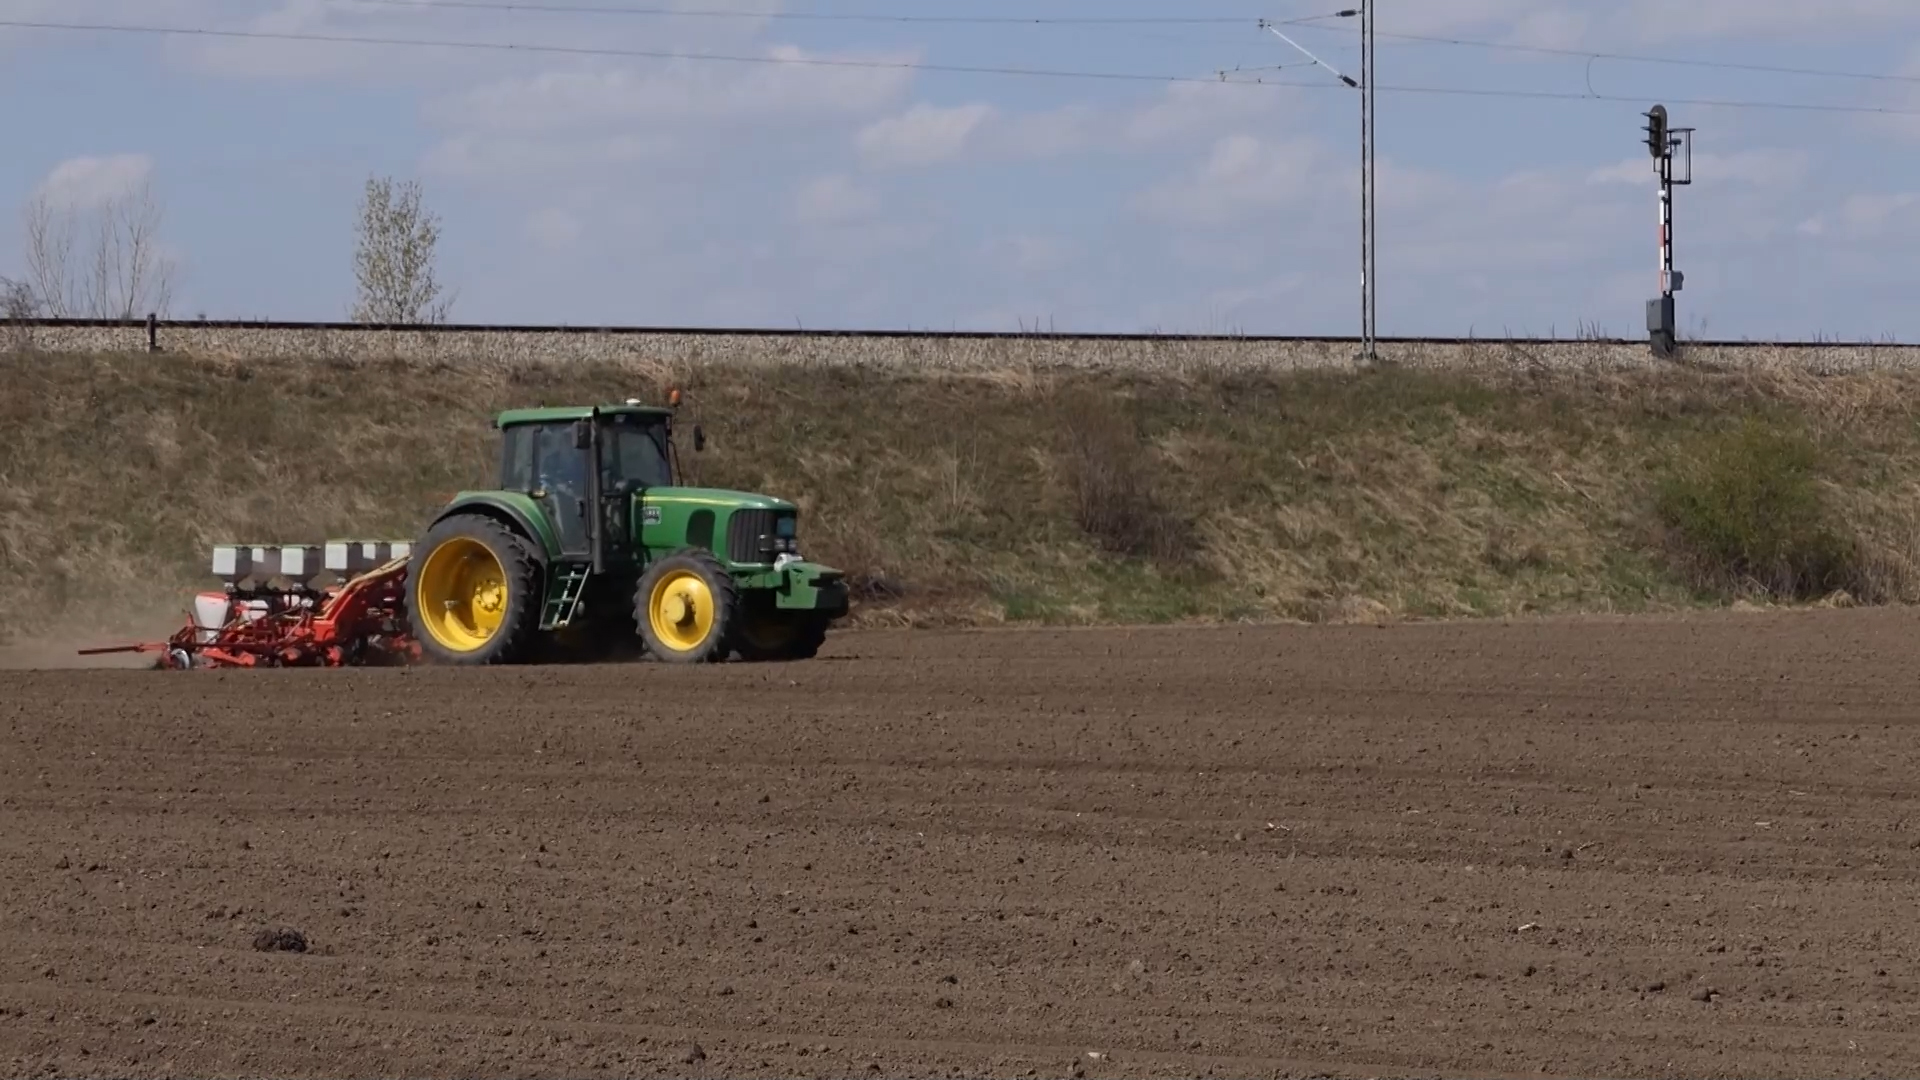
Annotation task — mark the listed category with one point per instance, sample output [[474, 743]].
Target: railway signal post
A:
[[1662, 142]]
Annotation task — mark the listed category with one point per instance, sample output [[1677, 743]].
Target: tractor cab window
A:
[[634, 453], [558, 465], [516, 459]]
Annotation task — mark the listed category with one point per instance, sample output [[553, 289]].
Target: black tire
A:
[[766, 634], [715, 644], [516, 637]]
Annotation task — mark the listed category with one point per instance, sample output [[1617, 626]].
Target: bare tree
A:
[[50, 240], [122, 272], [17, 305], [17, 300], [393, 260]]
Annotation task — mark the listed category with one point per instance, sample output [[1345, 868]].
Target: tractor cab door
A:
[[633, 458], [561, 484]]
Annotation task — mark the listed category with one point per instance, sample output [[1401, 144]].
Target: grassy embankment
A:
[[1022, 497]]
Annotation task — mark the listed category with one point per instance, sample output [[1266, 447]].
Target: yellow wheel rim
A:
[[681, 610], [462, 594]]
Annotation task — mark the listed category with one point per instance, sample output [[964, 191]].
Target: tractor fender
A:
[[509, 508]]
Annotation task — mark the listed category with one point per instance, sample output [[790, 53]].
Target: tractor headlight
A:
[[780, 539]]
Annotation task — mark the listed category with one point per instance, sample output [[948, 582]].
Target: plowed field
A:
[[1674, 846]]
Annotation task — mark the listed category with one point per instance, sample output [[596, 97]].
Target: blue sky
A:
[[603, 190]]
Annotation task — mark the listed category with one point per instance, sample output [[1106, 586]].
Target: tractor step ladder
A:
[[562, 604]]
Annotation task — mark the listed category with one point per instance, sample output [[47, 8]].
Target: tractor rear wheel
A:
[[767, 634], [474, 593], [685, 607]]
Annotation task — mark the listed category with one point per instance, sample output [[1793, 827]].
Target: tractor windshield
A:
[[634, 454]]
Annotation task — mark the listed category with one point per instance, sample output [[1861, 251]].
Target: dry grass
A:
[[971, 498]]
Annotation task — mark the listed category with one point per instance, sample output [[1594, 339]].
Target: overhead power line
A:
[[1637, 58], [746, 14], [898, 65], [808, 16], [1327, 18], [606, 51], [1571, 95]]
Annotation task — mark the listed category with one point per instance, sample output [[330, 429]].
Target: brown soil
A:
[[1672, 846]]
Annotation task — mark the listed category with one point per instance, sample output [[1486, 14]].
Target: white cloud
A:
[[1552, 28], [514, 159], [1241, 173], [519, 36], [279, 59], [1052, 133], [833, 200], [588, 124], [1435, 15], [1203, 110], [84, 183], [1765, 18], [1868, 216], [680, 93], [1579, 23], [923, 135], [927, 135], [179, 12], [1764, 167]]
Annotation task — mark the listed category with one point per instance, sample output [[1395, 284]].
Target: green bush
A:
[[1750, 513]]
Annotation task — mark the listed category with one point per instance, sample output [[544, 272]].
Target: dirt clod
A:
[[694, 1054], [281, 939]]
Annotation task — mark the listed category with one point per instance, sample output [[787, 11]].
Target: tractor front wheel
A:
[[685, 608], [768, 634], [473, 593]]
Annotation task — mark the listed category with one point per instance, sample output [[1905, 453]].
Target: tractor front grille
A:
[[744, 530]]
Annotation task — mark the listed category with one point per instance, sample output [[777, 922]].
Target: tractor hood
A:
[[717, 498]]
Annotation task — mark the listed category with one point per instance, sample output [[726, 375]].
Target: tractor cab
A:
[[584, 467]]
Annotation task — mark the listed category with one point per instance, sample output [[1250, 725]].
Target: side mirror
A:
[[582, 435], [699, 438]]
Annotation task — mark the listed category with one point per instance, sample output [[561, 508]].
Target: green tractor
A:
[[589, 548]]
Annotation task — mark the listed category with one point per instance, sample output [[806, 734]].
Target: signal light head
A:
[[1656, 129]]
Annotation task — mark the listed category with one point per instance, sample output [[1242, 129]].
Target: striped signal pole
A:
[[1662, 141]]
